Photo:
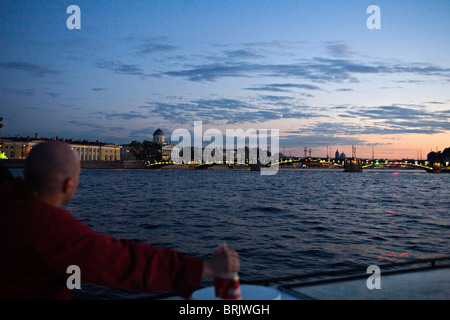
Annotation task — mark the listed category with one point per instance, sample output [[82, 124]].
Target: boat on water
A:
[[424, 279]]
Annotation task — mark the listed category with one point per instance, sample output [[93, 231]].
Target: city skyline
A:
[[315, 71]]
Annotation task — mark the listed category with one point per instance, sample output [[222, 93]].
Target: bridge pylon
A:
[[436, 167], [352, 165]]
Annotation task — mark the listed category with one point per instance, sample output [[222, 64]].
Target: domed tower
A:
[[159, 137]]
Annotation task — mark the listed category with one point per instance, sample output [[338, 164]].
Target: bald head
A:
[[49, 165]]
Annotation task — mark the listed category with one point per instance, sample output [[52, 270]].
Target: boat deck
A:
[[426, 279], [426, 284]]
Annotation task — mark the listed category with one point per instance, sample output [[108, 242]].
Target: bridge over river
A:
[[357, 164], [349, 164]]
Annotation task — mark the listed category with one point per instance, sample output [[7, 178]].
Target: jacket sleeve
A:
[[115, 263]]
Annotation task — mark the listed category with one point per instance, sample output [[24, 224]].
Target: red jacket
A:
[[39, 241]]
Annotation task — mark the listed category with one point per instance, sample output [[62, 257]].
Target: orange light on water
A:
[[391, 256]]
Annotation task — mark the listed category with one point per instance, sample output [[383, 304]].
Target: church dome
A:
[[342, 156], [159, 137]]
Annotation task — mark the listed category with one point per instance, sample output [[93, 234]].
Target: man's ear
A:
[[68, 185]]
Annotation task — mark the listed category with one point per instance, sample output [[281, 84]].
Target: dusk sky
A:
[[312, 69]]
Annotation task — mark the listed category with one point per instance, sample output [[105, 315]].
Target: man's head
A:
[[52, 170]]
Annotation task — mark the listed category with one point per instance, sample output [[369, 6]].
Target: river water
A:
[[297, 221]]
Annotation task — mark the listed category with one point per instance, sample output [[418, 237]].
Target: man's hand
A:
[[221, 262]]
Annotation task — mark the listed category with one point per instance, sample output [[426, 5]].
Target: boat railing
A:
[[287, 283], [338, 274]]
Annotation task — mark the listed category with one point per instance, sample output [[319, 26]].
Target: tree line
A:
[[146, 150], [440, 157]]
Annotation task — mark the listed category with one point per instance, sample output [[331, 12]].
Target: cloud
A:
[[390, 112], [300, 138], [242, 54], [149, 46], [71, 106], [344, 90], [338, 49], [52, 94], [276, 98], [121, 68], [335, 133], [131, 115], [268, 88], [358, 122], [82, 129], [420, 126], [32, 69], [211, 72], [394, 119], [228, 111], [220, 104], [322, 70], [435, 102], [283, 87], [444, 113], [274, 44], [20, 92]]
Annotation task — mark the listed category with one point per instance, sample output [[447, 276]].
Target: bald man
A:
[[39, 241], [52, 170]]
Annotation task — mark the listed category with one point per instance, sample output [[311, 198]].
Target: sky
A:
[[312, 69]]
